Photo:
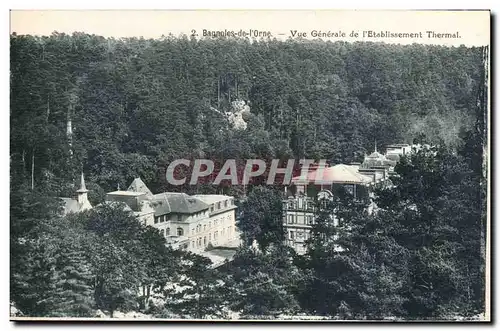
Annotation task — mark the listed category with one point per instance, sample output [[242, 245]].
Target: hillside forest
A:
[[116, 109]]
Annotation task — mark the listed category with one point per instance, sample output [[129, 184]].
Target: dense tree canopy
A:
[[135, 105]]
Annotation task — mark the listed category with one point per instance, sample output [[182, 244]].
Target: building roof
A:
[[376, 155], [126, 193], [138, 185], [397, 145], [180, 203], [340, 173], [211, 198]]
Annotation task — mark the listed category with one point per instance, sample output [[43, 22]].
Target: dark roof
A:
[[180, 203], [138, 185]]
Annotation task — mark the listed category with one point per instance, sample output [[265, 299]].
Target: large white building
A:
[[194, 222]]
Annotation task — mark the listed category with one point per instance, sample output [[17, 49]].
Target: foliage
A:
[[264, 282], [137, 104], [261, 218]]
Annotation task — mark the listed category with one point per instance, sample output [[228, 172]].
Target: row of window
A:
[[167, 218], [166, 232], [199, 228], [180, 232], [219, 204], [178, 217], [305, 219], [302, 204], [204, 243]]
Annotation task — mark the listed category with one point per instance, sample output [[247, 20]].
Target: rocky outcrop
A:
[[236, 117]]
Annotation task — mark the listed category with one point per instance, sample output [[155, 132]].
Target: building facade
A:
[[359, 179], [194, 223]]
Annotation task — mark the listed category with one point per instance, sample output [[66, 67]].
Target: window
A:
[[192, 243], [180, 232], [157, 219], [225, 204], [218, 205], [215, 235], [192, 231], [232, 202], [179, 218], [204, 227], [162, 231], [211, 208], [168, 231], [209, 236], [291, 219], [291, 235], [223, 231], [209, 224], [204, 241]]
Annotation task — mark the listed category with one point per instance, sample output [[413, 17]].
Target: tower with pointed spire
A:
[[78, 203], [82, 192]]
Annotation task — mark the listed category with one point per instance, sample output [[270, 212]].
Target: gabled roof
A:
[[138, 185], [181, 203]]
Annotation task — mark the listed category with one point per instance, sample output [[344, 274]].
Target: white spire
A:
[[83, 188]]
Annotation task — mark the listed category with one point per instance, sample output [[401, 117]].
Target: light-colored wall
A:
[[146, 218], [216, 226]]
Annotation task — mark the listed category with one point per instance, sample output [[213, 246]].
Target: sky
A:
[[473, 27]]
